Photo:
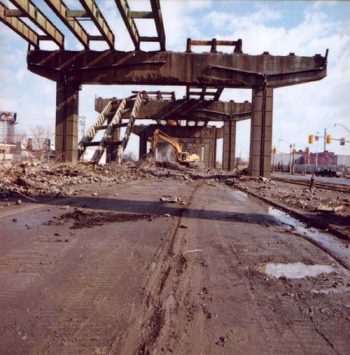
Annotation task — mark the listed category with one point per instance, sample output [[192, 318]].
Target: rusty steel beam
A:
[[155, 4], [14, 13], [218, 93], [37, 16], [127, 16], [223, 70], [62, 11], [98, 19], [141, 14], [18, 26], [213, 44], [215, 95]]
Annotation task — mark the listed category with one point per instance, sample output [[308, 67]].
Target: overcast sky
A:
[[280, 27]]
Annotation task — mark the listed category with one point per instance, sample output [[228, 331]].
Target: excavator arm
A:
[[181, 156], [157, 134]]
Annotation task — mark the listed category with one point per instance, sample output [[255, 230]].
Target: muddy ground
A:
[[109, 268]]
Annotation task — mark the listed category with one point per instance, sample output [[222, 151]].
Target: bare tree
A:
[[21, 136], [41, 138]]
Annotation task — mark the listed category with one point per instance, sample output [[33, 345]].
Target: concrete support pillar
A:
[[143, 146], [67, 111], [261, 132], [229, 145], [214, 146], [112, 149]]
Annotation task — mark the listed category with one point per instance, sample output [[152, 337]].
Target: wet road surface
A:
[[218, 274]]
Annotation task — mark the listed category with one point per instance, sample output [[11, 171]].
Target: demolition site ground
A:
[[153, 259]]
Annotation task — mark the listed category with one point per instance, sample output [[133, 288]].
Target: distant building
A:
[[321, 159], [7, 127], [309, 163]]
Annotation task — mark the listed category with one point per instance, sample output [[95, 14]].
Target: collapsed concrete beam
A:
[[188, 110], [173, 68]]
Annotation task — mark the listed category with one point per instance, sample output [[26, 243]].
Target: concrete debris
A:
[[325, 208], [42, 182], [171, 199], [263, 179], [192, 251], [314, 204], [33, 180]]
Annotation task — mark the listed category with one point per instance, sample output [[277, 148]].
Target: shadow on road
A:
[[161, 208]]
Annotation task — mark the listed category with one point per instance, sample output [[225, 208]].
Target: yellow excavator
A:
[[182, 157]]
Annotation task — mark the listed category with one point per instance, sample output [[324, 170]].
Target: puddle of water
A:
[[334, 246], [296, 270], [239, 195]]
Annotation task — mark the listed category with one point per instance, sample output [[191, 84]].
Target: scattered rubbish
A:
[[171, 199], [192, 251], [167, 215], [18, 202], [295, 270], [221, 341], [263, 179], [183, 226]]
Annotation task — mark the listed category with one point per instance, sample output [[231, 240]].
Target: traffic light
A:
[[311, 138], [328, 139], [342, 141], [274, 150]]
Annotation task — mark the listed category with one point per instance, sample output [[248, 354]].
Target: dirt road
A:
[[121, 272]]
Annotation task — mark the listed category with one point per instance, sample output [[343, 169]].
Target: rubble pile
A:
[[295, 196], [36, 179], [33, 180]]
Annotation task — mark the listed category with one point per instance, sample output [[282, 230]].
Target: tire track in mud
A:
[[168, 264]]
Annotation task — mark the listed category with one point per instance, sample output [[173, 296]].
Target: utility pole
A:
[[82, 122], [324, 139]]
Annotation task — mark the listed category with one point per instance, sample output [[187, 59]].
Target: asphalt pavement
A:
[[114, 270]]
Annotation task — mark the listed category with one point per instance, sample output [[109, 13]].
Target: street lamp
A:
[[341, 125]]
